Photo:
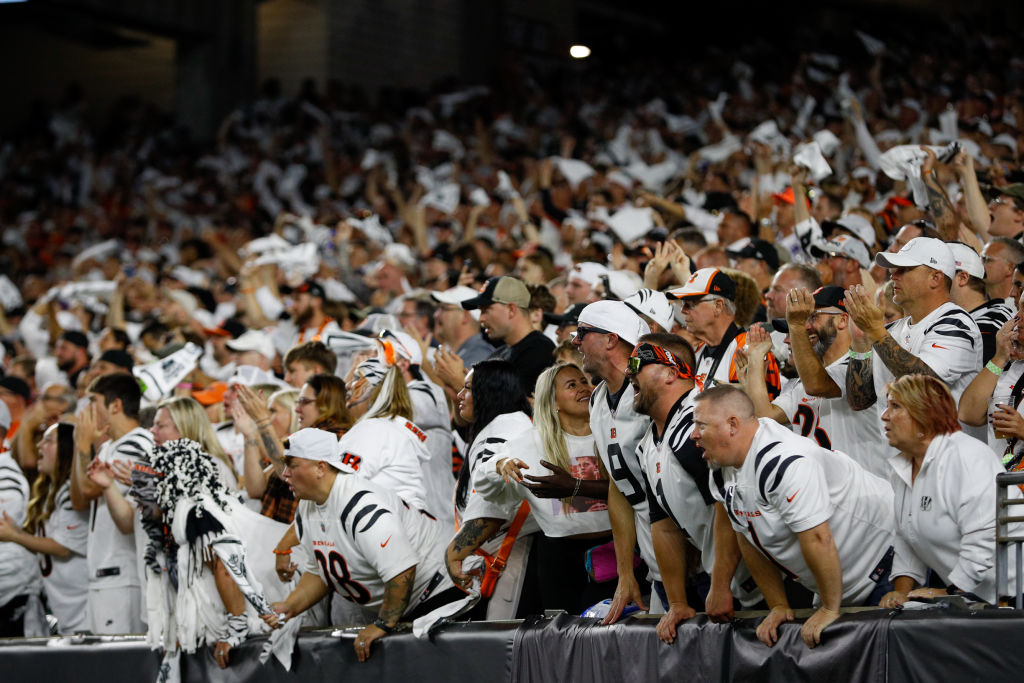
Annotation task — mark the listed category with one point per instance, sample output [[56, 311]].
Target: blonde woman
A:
[[185, 418], [554, 468]]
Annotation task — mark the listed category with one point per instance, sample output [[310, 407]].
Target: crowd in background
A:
[[537, 326]]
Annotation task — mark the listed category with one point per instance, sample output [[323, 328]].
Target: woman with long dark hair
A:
[[55, 531], [494, 403]]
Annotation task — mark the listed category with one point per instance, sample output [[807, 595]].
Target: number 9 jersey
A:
[[617, 430], [364, 536]]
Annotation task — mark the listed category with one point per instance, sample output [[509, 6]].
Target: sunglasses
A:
[[584, 330]]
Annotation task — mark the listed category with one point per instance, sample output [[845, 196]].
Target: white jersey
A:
[[617, 429], [946, 516], [66, 580], [19, 573], [677, 479], [430, 413], [556, 519], [990, 317], [789, 484], [233, 443], [364, 536], [286, 334], [388, 451], [832, 423], [111, 555], [947, 340], [1005, 387], [482, 454]]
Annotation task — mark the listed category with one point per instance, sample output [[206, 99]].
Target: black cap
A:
[[570, 316], [759, 249], [17, 386], [824, 297], [312, 287], [230, 327], [121, 359], [77, 338]]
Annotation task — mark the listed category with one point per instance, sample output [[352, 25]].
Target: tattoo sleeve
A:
[[396, 596], [474, 534], [900, 361], [860, 384], [271, 446], [941, 210]]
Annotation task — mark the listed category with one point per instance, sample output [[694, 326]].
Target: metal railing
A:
[[1004, 518]]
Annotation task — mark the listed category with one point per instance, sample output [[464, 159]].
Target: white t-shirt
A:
[[617, 430], [1004, 387], [111, 555], [19, 573], [66, 580], [946, 517], [789, 484], [583, 516], [430, 413], [388, 451], [832, 423], [364, 536], [947, 340]]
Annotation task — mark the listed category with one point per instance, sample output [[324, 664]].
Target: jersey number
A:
[[807, 421], [335, 567], [620, 473]]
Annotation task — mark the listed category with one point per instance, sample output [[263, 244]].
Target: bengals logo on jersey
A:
[[352, 460]]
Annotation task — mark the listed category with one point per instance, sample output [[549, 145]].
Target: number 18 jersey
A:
[[364, 536]]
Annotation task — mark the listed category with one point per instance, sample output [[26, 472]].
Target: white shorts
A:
[[115, 611]]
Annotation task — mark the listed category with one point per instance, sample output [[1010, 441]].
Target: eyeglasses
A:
[[584, 330], [688, 305], [990, 259], [304, 401]]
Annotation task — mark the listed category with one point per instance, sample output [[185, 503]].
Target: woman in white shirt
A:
[[56, 532], [944, 485], [553, 467], [493, 402]]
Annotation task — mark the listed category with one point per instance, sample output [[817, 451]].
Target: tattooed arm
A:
[[473, 534], [396, 598], [938, 203], [900, 361], [860, 384]]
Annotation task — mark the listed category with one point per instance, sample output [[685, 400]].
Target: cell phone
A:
[[466, 263]]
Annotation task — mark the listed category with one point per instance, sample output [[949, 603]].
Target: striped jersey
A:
[[617, 429], [111, 555], [19, 573], [947, 340], [364, 536], [388, 451], [789, 484], [430, 413], [990, 316]]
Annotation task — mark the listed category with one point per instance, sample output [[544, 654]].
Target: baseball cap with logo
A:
[[613, 317], [589, 272], [921, 251], [311, 287], [846, 246], [655, 305], [757, 249], [830, 299], [501, 290], [967, 259], [704, 282]]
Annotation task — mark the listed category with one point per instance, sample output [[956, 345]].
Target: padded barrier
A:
[[950, 643]]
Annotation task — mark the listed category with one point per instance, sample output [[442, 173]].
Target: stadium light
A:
[[579, 51]]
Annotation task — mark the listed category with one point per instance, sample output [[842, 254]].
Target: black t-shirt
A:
[[531, 356]]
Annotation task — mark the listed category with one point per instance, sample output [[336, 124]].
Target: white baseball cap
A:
[[857, 225], [655, 305], [455, 296], [967, 260], [404, 345], [615, 317], [847, 246], [254, 340], [589, 272], [921, 251], [316, 444]]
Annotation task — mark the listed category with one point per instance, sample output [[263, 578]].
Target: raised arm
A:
[[751, 363], [938, 203], [977, 207], [973, 408], [817, 382]]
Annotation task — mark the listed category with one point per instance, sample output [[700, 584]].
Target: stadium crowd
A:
[[710, 339]]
